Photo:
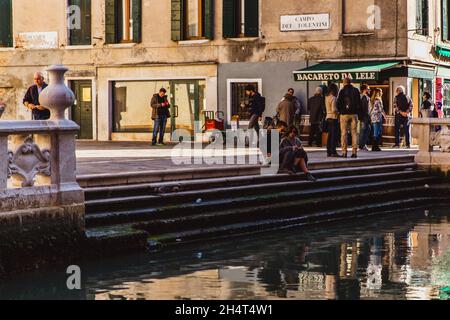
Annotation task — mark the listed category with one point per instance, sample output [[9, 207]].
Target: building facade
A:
[[204, 52]]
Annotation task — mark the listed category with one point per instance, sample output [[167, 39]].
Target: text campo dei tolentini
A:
[[336, 76]]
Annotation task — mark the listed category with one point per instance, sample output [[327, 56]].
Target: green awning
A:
[[357, 71], [443, 51]]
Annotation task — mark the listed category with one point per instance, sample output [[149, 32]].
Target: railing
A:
[[433, 135], [37, 174]]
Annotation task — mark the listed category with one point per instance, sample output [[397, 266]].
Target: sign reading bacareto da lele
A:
[[336, 76], [320, 21]]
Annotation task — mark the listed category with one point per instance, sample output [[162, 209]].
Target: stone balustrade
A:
[[41, 204], [433, 135]]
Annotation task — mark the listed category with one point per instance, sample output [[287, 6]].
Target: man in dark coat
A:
[[364, 118], [160, 114], [316, 105], [31, 99]]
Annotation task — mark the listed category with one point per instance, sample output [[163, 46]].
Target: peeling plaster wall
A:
[[157, 48]]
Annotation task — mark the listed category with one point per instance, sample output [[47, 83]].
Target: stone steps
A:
[[122, 191], [133, 178], [126, 238], [181, 205], [183, 210]]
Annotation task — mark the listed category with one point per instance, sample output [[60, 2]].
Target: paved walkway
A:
[[122, 157]]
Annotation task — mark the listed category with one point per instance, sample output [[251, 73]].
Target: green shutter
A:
[[82, 36], [110, 21], [6, 39], [209, 19], [252, 18], [445, 20], [229, 18], [137, 20], [177, 20], [419, 16]]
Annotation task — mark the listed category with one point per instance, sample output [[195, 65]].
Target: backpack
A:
[[402, 102], [434, 113], [263, 105]]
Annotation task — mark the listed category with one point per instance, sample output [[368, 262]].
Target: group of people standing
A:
[[339, 111]]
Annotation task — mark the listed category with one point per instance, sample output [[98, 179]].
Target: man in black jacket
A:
[[316, 106], [31, 99], [255, 107], [160, 114], [349, 106]]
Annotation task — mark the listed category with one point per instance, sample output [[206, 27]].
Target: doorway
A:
[[82, 109]]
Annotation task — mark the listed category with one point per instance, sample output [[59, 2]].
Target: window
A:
[[240, 18], [123, 21], [445, 20], [6, 38], [237, 99], [192, 19], [357, 16], [422, 22], [79, 22]]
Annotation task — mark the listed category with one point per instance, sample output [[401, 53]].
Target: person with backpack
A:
[[256, 107], [427, 108], [403, 107], [349, 106]]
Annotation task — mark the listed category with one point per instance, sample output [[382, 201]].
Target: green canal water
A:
[[406, 256]]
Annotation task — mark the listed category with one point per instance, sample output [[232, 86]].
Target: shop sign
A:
[[37, 40], [336, 76], [305, 22]]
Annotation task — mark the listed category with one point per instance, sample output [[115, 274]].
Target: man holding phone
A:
[[160, 113], [31, 99]]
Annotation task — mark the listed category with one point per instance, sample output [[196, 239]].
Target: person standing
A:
[[286, 110], [298, 109], [403, 107], [31, 99], [316, 105], [364, 119], [349, 106], [255, 106], [160, 113], [376, 117], [332, 119], [427, 107]]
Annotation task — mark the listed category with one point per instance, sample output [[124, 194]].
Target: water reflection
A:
[[384, 258]]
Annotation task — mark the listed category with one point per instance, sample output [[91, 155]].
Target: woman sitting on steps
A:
[[293, 157]]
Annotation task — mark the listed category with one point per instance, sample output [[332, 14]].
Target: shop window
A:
[[422, 21], [79, 22], [357, 16], [238, 100], [123, 21], [6, 37], [131, 104], [445, 20], [446, 99], [240, 18], [192, 19]]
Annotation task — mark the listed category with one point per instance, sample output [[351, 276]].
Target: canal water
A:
[[406, 256]]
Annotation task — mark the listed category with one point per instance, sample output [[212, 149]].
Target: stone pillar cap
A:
[[57, 67]]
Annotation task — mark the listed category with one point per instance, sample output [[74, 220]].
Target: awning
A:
[[357, 71]]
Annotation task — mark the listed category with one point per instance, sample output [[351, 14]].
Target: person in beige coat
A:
[[286, 110]]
